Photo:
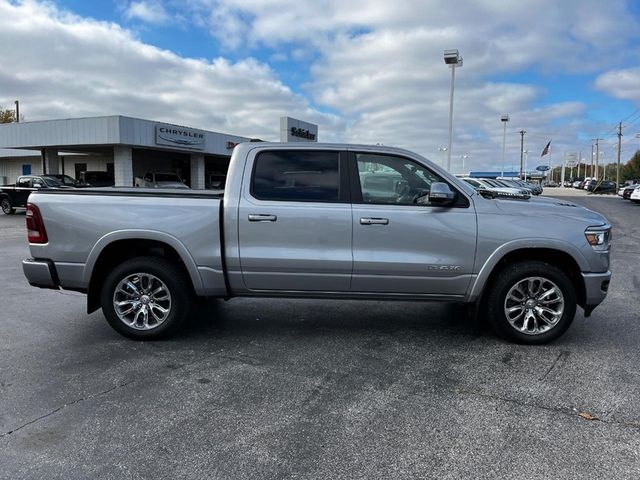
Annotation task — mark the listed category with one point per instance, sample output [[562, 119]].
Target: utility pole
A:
[[597, 140], [522, 132], [619, 148], [592, 155], [17, 111], [579, 162]]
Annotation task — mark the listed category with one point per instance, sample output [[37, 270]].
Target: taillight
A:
[[36, 232]]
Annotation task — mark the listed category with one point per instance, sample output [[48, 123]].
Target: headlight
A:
[[598, 239]]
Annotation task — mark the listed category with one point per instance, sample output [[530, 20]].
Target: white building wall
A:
[[94, 162], [12, 168]]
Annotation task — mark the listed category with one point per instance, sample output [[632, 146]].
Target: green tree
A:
[[631, 169], [7, 116]]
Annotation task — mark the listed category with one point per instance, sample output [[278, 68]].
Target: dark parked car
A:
[[604, 186], [16, 195], [96, 179]]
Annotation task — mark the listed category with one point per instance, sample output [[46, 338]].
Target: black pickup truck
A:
[[15, 196]]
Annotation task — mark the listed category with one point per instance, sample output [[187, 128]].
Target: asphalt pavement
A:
[[262, 388]]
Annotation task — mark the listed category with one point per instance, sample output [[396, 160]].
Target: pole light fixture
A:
[[453, 59], [504, 119], [463, 158], [443, 150]]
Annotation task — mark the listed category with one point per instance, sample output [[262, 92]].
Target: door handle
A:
[[262, 217], [374, 221]]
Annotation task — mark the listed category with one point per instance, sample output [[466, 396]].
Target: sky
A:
[[366, 71]]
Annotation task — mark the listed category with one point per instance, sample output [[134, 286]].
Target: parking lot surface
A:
[[271, 388]]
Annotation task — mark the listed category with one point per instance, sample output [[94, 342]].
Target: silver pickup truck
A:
[[328, 221]]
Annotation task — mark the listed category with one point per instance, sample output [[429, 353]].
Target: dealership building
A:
[[125, 146]]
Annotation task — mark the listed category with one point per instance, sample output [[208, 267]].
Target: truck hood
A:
[[550, 207]]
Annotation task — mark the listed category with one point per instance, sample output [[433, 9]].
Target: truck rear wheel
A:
[[531, 302], [145, 298], [7, 208]]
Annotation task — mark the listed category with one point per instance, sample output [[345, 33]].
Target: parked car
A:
[[293, 221], [628, 190], [535, 188], [604, 186], [513, 184], [576, 181], [487, 184], [54, 180], [635, 195], [160, 180], [215, 181], [96, 178], [16, 195]]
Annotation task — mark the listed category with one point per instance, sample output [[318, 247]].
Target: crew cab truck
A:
[[16, 195], [297, 220]]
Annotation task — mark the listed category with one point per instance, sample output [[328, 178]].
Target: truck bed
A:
[[82, 223]]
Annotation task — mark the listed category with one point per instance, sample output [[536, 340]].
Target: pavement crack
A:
[[568, 411], [561, 356], [62, 407]]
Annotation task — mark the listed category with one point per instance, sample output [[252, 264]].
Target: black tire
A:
[[507, 278], [176, 283], [7, 208]]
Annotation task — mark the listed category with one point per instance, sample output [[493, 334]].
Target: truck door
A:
[[294, 221], [400, 246]]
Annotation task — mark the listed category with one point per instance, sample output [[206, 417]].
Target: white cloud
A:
[[623, 83], [379, 64], [376, 65], [68, 66], [147, 11]]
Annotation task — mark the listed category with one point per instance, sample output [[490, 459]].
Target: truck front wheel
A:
[[145, 298], [531, 302], [7, 208]]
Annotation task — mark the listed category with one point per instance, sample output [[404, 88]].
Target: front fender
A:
[[523, 244]]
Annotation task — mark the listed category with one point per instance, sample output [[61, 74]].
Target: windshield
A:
[[58, 180]]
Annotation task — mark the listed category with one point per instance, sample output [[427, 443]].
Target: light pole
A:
[[453, 59], [443, 150], [504, 119], [526, 159], [464, 157]]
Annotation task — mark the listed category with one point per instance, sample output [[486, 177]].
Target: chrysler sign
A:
[[175, 136]]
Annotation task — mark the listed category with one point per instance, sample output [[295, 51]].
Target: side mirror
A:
[[441, 194]]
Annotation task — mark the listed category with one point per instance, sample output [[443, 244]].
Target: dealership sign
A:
[[571, 160], [294, 130], [542, 168], [174, 136]]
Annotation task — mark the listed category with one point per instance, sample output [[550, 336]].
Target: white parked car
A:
[[160, 180], [488, 184], [635, 195]]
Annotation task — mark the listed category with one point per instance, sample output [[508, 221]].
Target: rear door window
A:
[[297, 176]]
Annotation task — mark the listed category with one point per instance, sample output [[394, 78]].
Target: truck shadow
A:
[[259, 317]]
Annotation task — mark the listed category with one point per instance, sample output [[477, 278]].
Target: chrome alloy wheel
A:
[[142, 301], [534, 305]]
